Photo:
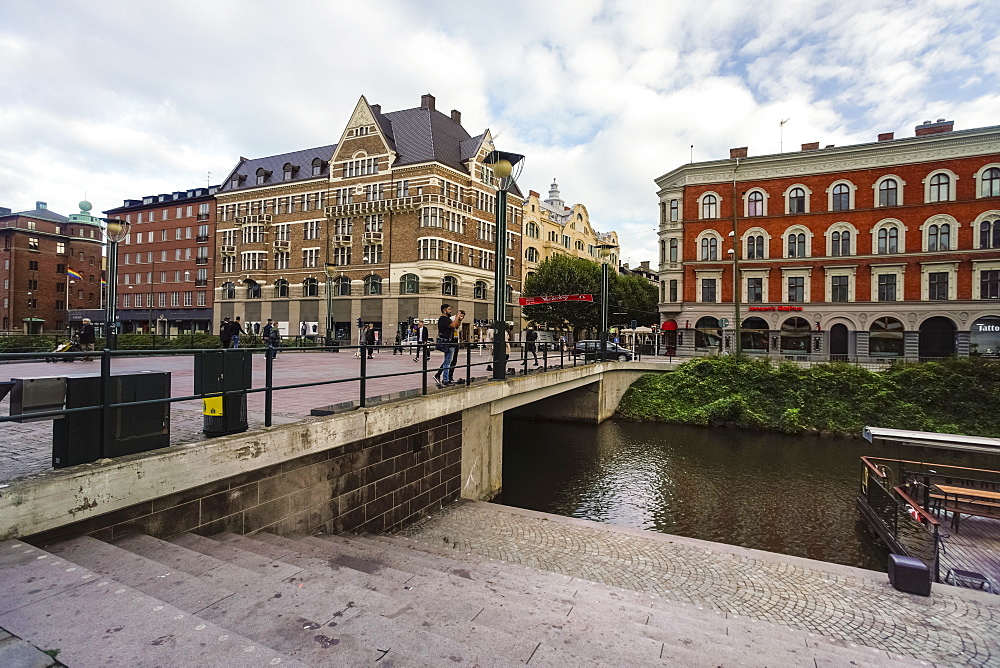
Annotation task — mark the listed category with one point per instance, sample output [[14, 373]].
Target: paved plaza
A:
[[26, 448], [848, 605]]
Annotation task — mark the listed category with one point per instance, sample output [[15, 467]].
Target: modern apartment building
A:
[[166, 263], [403, 209], [887, 249], [51, 264]]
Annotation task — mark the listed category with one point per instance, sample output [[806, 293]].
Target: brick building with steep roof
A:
[[402, 205], [41, 249], [883, 250]]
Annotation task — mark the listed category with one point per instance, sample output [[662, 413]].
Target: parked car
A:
[[591, 349]]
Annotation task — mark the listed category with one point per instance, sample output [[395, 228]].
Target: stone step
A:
[[251, 561], [98, 621], [658, 612]]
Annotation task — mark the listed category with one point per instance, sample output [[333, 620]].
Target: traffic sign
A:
[[723, 322]]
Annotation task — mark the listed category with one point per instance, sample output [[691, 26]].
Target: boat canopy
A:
[[930, 439]]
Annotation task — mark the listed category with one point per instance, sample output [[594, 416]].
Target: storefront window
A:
[[707, 334], [886, 339], [753, 335], [984, 337], [795, 336]]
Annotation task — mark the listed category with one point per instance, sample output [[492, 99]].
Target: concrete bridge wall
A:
[[372, 469]]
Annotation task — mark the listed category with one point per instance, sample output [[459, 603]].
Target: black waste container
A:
[[226, 370]]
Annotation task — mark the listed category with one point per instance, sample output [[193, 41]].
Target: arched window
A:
[[797, 201], [310, 288], [373, 284], [940, 186], [888, 192], [754, 333], [939, 236], [888, 240], [531, 229], [253, 289], [281, 288], [579, 245], [479, 290], [342, 287], [841, 197], [317, 166], [886, 338], [990, 183], [989, 234], [409, 284], [228, 290], [755, 203], [449, 286], [840, 244], [531, 255], [755, 247], [797, 244], [709, 248], [287, 172], [707, 333], [710, 206], [262, 175], [795, 335]]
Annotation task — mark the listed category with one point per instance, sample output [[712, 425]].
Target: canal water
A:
[[788, 494]]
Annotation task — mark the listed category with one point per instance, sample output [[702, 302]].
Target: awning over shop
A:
[[669, 326]]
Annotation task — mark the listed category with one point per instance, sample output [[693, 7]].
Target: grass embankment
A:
[[956, 396]]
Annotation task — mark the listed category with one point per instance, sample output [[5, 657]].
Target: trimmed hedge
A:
[[955, 396]]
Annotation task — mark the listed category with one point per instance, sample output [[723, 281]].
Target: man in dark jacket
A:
[[530, 343], [423, 338], [224, 334], [87, 338], [370, 340], [236, 331]]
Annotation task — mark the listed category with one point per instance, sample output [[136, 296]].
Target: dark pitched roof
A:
[[43, 214], [469, 147], [423, 135], [275, 164]]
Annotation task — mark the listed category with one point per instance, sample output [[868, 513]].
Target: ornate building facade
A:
[[886, 250], [402, 205]]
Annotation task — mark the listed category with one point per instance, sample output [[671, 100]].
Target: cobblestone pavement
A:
[[951, 627], [26, 449]]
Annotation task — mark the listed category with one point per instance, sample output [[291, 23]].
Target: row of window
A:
[[159, 299], [939, 186], [178, 277], [164, 214], [180, 254], [888, 288], [179, 233], [409, 284], [842, 241]]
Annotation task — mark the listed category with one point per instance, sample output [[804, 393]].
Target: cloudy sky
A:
[[117, 100]]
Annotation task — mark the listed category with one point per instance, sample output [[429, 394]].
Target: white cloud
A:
[[127, 99]]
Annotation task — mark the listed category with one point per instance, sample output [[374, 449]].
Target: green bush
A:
[[954, 396], [25, 343]]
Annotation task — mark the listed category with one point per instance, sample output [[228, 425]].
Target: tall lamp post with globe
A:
[[604, 252], [506, 167], [114, 231]]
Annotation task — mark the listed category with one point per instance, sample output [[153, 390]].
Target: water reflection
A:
[[793, 495]]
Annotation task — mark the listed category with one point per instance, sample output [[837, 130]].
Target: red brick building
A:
[[887, 249], [166, 264], [41, 249]]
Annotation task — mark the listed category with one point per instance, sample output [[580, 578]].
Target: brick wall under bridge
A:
[[374, 469]]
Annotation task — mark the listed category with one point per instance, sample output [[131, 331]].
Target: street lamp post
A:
[[604, 252], [506, 167], [330, 268], [114, 231], [737, 279]]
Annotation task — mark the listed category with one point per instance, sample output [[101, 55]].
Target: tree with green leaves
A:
[[632, 296]]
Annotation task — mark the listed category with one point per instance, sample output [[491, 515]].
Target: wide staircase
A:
[[347, 600]]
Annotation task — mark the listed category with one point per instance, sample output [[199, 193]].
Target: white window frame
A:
[[789, 189], [746, 202], [851, 191], [900, 242], [927, 268], [765, 284], [310, 257], [797, 229], [897, 269], [711, 274], [718, 205], [851, 270], [900, 184], [978, 267], [796, 272], [755, 232], [939, 219], [979, 178], [952, 187], [841, 226], [993, 214], [710, 234]]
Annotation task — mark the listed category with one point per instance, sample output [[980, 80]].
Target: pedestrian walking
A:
[[423, 338], [266, 335], [273, 341], [398, 346], [87, 338], [224, 334], [490, 333], [235, 331], [530, 337], [370, 339], [447, 328]]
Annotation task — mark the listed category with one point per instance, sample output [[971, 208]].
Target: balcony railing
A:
[[202, 239]]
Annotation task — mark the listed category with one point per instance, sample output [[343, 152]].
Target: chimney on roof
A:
[[427, 101], [828, 146], [929, 128], [532, 193], [41, 205], [738, 152], [811, 146], [886, 136], [377, 108], [456, 116]]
